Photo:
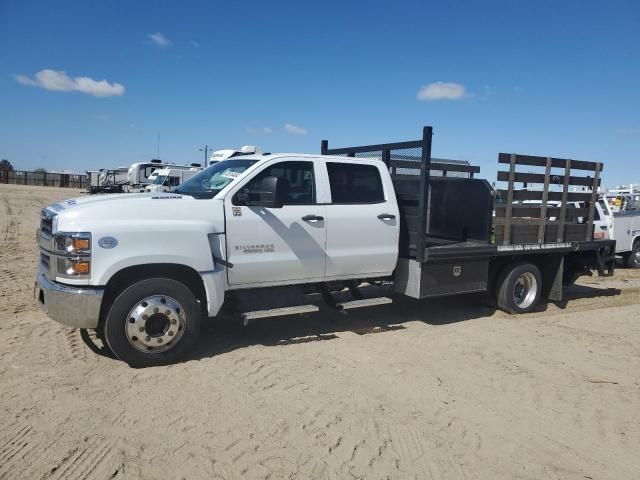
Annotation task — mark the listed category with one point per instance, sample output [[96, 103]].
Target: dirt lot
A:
[[447, 389]]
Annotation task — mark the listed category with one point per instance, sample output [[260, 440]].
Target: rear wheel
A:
[[519, 288], [632, 260], [153, 322]]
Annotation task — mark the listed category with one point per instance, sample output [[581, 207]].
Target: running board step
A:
[[276, 312], [362, 303]]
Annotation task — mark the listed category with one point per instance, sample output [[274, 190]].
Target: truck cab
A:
[[242, 223]]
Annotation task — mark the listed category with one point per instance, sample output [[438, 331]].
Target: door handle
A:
[[386, 216], [312, 218]]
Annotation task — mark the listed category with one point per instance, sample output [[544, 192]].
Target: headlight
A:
[[74, 267], [73, 243]]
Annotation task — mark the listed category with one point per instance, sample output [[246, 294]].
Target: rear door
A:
[[278, 245], [363, 221]]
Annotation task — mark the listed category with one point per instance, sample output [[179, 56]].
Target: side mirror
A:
[[272, 193]]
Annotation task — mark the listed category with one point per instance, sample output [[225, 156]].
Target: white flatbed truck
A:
[[146, 270]]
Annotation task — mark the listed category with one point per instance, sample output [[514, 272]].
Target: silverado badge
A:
[[107, 242]]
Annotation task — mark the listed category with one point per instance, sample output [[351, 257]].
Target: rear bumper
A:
[[71, 306]]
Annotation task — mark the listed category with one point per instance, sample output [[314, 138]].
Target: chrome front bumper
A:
[[71, 306]]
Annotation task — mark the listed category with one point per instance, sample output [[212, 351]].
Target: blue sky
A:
[[555, 78]]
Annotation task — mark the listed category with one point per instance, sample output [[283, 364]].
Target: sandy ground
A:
[[426, 390]]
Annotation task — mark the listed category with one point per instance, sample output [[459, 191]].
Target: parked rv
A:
[[107, 180]]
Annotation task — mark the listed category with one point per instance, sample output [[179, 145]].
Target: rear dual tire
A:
[[632, 259], [153, 322], [519, 288]]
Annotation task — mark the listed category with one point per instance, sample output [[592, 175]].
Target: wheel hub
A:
[[525, 290], [155, 324]]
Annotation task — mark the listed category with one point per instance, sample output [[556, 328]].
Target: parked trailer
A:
[[107, 180], [274, 228]]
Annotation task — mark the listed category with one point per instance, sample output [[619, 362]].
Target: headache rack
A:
[[561, 211], [434, 210]]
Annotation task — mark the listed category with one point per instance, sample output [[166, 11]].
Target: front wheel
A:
[[153, 322], [632, 260], [519, 288]]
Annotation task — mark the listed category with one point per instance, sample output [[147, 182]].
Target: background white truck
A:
[[141, 174], [618, 218], [145, 270], [226, 153], [167, 179]]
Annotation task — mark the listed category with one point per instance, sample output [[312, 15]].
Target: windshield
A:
[[211, 180], [159, 179]]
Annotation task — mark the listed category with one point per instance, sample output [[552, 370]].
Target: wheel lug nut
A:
[[170, 333], [141, 329], [167, 312], [156, 310], [145, 317], [147, 338], [159, 340], [173, 321]]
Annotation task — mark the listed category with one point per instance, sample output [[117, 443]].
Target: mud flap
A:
[[552, 279]]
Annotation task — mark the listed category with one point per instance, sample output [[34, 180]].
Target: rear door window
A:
[[353, 183]]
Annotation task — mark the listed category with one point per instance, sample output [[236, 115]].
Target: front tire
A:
[[519, 288], [632, 260], [153, 322]]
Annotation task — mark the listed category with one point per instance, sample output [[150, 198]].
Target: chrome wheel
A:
[[525, 290], [637, 257], [155, 324]]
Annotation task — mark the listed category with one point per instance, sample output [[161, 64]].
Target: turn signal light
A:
[[80, 244], [74, 267], [81, 268]]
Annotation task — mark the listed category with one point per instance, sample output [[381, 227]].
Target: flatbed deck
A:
[[457, 233], [452, 250]]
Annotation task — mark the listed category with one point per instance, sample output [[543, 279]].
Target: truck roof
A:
[[308, 156]]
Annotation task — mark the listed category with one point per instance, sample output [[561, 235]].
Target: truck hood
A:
[[85, 213]]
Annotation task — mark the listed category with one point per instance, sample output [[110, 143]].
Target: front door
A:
[[272, 245]]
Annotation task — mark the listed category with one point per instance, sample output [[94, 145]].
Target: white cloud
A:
[[254, 130], [295, 130], [59, 81], [195, 43], [159, 39], [441, 91]]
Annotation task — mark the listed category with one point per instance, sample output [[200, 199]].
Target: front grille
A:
[[45, 261], [46, 223]]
